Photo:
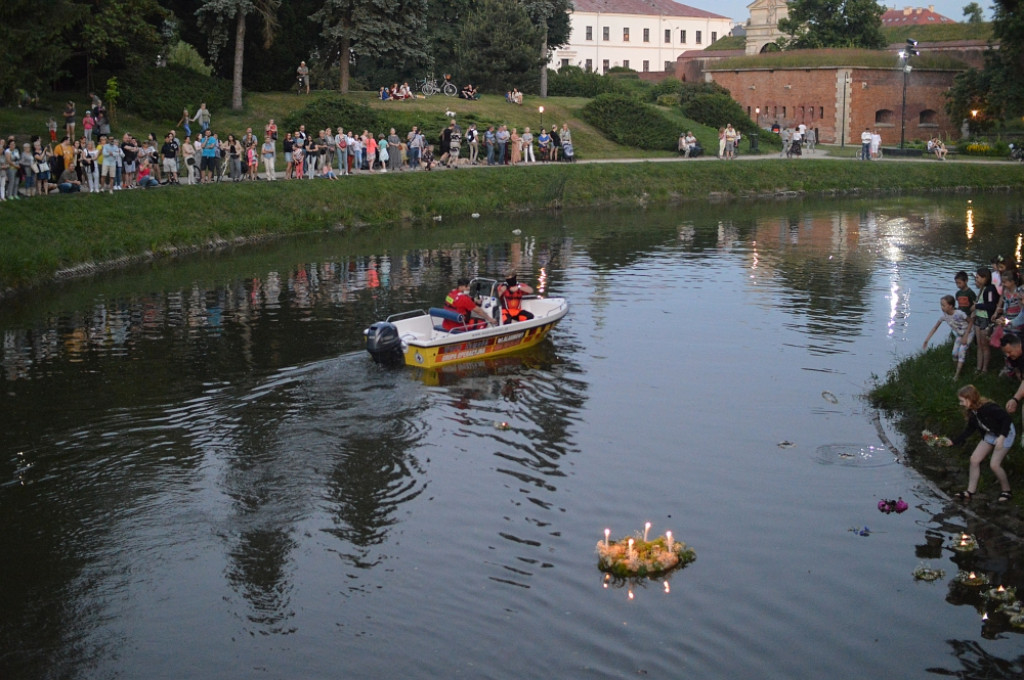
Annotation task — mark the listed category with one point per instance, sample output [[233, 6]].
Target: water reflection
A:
[[216, 428]]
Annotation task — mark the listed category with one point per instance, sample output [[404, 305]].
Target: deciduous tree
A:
[[833, 23], [218, 17], [500, 47], [389, 29], [973, 13]]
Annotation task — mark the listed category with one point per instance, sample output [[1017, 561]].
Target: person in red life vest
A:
[[511, 294], [460, 302]]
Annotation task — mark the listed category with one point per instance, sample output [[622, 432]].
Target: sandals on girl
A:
[[1004, 497], [963, 496]]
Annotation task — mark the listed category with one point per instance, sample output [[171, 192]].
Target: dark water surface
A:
[[203, 476]]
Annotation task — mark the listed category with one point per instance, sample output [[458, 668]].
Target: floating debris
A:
[[860, 532], [502, 425], [829, 397], [786, 444]]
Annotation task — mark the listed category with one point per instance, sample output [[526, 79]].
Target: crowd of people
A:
[[93, 160], [989, 317]]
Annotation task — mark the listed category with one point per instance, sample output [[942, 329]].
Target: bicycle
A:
[[429, 86]]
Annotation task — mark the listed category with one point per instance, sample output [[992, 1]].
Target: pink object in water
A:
[[901, 505]]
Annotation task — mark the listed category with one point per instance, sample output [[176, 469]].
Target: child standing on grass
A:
[[998, 433], [984, 312], [965, 297], [963, 331]]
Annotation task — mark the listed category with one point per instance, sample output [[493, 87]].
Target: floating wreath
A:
[[637, 556], [966, 543], [926, 573], [932, 439], [971, 578]]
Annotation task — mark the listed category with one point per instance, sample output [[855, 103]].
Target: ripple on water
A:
[[854, 455]]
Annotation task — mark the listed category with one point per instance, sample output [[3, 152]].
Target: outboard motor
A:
[[384, 345]]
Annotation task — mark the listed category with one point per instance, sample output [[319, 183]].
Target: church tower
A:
[[763, 27]]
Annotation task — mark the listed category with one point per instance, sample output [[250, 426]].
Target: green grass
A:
[[938, 32], [921, 393], [39, 237]]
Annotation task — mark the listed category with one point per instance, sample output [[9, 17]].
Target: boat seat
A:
[[445, 315]]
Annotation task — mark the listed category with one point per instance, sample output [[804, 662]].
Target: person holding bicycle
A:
[[302, 72]]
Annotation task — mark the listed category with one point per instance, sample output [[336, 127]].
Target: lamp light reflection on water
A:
[[1016, 252], [970, 221]]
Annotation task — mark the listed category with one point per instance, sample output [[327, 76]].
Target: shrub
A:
[[627, 120], [184, 55], [572, 81], [718, 110], [977, 148], [690, 91], [332, 110], [668, 100], [161, 93]]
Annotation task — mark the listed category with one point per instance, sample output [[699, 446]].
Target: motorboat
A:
[[418, 338]]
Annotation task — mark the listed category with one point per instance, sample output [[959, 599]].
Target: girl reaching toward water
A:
[[998, 433]]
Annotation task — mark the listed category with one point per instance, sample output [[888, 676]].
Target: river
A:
[[202, 475]]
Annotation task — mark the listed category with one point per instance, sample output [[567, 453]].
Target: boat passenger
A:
[[511, 294], [460, 302]]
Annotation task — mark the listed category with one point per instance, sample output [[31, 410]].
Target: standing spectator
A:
[[491, 144], [302, 72], [169, 152], [202, 117], [527, 141], [103, 124], [252, 157], [341, 144], [415, 147], [209, 156], [811, 138], [130, 149], [544, 145], [515, 147], [90, 166], [4, 167], [184, 122], [41, 157], [188, 156], [26, 162], [876, 145], [234, 153], [394, 151], [311, 157], [88, 123], [502, 138], [271, 130], [288, 146], [865, 145], [96, 103], [269, 154], [721, 143], [730, 142], [556, 143], [566, 136], [51, 127], [69, 119], [108, 168], [473, 140], [12, 158]]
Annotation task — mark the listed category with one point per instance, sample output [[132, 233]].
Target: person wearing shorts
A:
[[109, 168]]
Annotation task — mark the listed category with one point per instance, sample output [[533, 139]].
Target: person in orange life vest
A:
[[511, 293], [458, 301]]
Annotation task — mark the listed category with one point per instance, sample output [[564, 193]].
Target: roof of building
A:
[[650, 7], [914, 16]]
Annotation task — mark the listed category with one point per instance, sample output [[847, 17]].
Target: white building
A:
[[643, 35]]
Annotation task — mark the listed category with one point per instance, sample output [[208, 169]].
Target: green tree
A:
[[119, 33], [378, 29], [217, 17], [973, 13], [500, 47], [553, 18], [833, 23]]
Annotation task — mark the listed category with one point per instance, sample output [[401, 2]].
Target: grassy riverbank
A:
[[921, 391], [41, 237]]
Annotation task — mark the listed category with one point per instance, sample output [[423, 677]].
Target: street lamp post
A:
[[905, 55], [842, 126], [540, 109]]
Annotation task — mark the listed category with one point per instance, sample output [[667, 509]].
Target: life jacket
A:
[[449, 305], [513, 300]]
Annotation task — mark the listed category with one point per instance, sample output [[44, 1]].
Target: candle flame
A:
[[667, 589], [984, 617], [972, 575], [1001, 589], [631, 594]]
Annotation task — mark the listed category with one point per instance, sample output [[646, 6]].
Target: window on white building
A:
[[647, 66], [604, 66], [625, 63], [625, 35], [699, 39], [682, 37], [606, 33], [647, 35], [668, 35], [590, 32], [669, 66], [565, 62], [590, 65], [714, 37]]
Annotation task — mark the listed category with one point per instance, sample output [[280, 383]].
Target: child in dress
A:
[[963, 331], [297, 157]]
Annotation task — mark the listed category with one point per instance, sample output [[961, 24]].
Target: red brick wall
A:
[[815, 97]]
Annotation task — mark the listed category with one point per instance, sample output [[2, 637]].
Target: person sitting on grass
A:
[[962, 327], [998, 434], [384, 94], [68, 182], [145, 177]]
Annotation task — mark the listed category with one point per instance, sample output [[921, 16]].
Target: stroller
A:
[[795, 149], [567, 152]]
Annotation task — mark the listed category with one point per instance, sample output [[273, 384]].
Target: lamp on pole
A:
[[905, 54], [540, 109], [842, 126]]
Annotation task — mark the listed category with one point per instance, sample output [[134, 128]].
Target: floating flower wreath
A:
[[926, 573], [637, 556], [971, 578], [966, 543], [932, 439], [899, 506], [1002, 594]]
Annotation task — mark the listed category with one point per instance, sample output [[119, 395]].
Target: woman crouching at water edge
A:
[[996, 426]]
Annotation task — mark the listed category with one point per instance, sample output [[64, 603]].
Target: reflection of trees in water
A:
[[372, 478], [977, 664], [258, 571]]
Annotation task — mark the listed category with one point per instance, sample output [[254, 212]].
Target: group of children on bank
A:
[[990, 317]]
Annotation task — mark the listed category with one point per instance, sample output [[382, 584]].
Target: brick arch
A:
[[885, 117], [929, 118]]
